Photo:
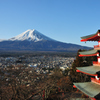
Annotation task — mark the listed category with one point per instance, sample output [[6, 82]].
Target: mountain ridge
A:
[[32, 40]]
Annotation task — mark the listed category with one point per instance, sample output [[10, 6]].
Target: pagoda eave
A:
[[86, 73], [84, 40], [89, 88], [89, 70], [93, 37], [88, 55]]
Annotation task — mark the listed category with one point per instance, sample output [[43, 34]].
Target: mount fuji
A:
[[31, 35], [32, 40]]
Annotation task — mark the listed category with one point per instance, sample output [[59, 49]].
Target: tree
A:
[[80, 62], [65, 84]]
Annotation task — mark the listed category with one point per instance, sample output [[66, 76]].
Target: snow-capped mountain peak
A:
[[30, 35]]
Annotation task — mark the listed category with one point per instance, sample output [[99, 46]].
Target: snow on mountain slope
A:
[[30, 35], [31, 43], [2, 40]]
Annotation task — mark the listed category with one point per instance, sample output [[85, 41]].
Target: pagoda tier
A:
[[92, 89], [89, 53], [93, 37], [89, 88], [89, 70]]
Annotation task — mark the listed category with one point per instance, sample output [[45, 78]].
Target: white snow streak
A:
[[30, 35]]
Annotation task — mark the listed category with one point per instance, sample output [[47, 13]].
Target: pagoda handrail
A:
[[96, 46], [95, 80], [96, 62]]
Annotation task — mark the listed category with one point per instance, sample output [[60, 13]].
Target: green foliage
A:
[[81, 62], [78, 62]]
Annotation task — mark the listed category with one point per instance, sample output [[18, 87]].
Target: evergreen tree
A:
[[81, 62]]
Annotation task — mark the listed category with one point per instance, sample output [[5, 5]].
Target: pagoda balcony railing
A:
[[96, 46], [96, 62], [95, 80]]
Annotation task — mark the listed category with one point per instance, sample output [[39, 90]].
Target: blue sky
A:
[[62, 20]]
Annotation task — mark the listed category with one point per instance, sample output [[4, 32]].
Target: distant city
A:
[[38, 65], [30, 70]]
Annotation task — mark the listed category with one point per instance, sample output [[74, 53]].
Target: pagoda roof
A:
[[89, 70], [89, 88], [92, 37], [89, 53]]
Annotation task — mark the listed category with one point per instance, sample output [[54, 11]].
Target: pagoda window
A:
[[98, 59]]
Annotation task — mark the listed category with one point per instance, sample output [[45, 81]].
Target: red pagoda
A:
[[91, 89]]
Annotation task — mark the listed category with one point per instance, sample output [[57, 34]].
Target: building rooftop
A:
[[89, 70], [89, 88], [89, 53], [92, 37]]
